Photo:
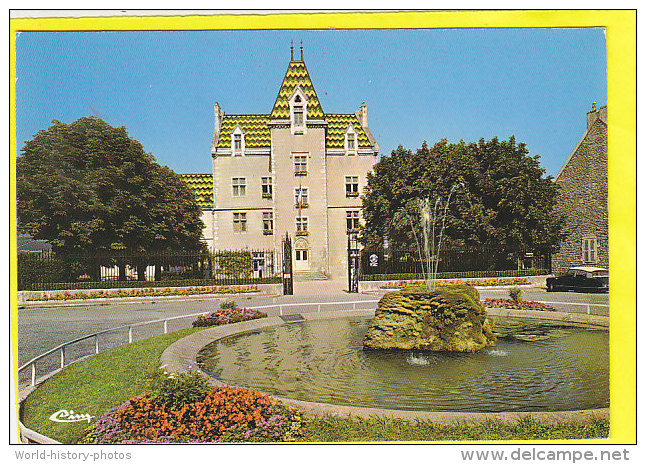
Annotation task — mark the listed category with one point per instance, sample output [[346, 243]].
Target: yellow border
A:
[[621, 33]]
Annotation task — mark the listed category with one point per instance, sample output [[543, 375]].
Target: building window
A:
[[298, 111], [267, 189], [350, 140], [301, 197], [239, 222], [589, 249], [237, 144], [237, 141], [352, 221], [301, 255], [301, 226], [300, 165], [268, 223], [298, 116], [351, 186], [239, 186]]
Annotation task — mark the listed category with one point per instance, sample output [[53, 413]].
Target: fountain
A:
[[450, 318], [422, 350]]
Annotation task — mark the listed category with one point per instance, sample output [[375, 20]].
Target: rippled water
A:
[[535, 366]]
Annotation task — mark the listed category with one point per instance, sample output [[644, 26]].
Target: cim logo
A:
[[64, 415]]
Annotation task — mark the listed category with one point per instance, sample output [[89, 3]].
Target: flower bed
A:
[[494, 282], [222, 414], [511, 304], [228, 316], [143, 292]]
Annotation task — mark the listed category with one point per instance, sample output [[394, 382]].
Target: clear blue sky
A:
[[423, 84]]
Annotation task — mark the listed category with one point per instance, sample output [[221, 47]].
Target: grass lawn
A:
[[97, 384]]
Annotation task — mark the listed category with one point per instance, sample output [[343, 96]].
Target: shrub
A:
[[174, 391], [235, 264], [515, 293], [228, 304]]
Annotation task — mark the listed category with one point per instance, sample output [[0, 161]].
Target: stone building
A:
[[583, 199], [296, 170]]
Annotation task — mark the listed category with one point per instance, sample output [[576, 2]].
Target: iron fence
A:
[[384, 264], [56, 271]]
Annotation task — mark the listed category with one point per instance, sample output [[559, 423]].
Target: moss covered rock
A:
[[450, 318]]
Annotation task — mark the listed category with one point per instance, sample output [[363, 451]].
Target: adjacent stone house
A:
[[296, 170], [583, 199]]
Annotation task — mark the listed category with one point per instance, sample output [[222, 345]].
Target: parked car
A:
[[580, 279]]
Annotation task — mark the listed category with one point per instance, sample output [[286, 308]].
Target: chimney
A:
[[364, 115], [219, 114], [596, 113]]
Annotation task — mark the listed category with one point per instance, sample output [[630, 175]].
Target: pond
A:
[[535, 366]]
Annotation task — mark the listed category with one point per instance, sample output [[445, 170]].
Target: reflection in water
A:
[[535, 366]]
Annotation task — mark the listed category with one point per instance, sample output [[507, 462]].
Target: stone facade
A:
[[260, 164], [583, 198]]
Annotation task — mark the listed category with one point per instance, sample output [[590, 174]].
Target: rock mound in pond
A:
[[451, 318]]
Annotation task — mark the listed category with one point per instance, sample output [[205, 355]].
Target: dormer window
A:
[[298, 115], [298, 111], [237, 142], [350, 141]]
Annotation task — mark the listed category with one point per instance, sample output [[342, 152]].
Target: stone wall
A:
[[583, 199]]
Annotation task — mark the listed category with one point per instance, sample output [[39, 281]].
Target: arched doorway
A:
[[302, 256]]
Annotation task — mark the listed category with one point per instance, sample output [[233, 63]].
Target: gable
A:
[[296, 75], [337, 126]]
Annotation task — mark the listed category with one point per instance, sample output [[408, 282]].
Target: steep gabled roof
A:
[[254, 126], [296, 75], [202, 187], [599, 121], [338, 124]]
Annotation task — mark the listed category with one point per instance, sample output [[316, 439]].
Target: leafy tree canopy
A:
[[506, 204], [87, 187]]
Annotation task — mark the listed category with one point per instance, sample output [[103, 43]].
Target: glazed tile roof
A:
[[337, 125], [254, 126], [297, 75], [202, 187]]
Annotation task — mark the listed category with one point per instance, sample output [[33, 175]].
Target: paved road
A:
[[42, 329]]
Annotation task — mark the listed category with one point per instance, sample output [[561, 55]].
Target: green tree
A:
[[506, 204], [88, 188]]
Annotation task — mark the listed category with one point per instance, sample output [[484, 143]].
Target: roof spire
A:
[[292, 50], [301, 50]]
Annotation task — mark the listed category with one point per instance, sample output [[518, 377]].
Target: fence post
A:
[[588, 308], [62, 357], [33, 374], [165, 326], [96, 344], [130, 334], [319, 308], [280, 309]]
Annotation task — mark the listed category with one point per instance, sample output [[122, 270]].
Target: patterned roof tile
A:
[[297, 75], [337, 125], [254, 126], [202, 187]]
